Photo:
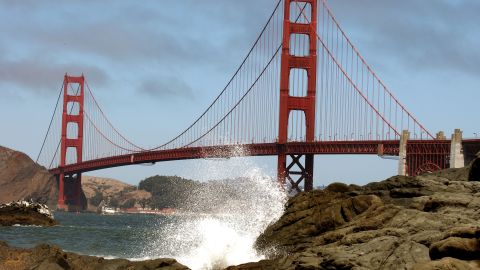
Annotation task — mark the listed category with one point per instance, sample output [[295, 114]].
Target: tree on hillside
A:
[[97, 198], [145, 203], [113, 202], [128, 204], [168, 191]]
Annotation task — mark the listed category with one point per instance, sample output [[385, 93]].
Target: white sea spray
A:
[[226, 237]]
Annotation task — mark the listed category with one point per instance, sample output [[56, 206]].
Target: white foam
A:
[[27, 226], [228, 237]]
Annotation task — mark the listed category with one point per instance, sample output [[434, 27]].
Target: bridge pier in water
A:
[[70, 192]]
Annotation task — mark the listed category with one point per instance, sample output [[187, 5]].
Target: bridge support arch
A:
[[69, 186], [419, 156], [300, 166]]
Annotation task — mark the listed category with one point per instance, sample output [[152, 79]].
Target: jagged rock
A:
[[261, 265], [458, 242], [338, 187], [393, 224], [456, 174], [448, 264], [474, 174], [464, 232], [25, 213], [409, 192], [456, 247], [312, 213], [47, 257]]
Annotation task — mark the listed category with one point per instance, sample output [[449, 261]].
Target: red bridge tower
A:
[[69, 186], [296, 172]]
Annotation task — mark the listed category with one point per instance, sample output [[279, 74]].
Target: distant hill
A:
[[160, 192], [22, 178], [167, 191], [112, 192], [189, 195]]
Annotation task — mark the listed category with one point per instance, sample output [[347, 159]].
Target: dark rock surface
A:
[[474, 174], [462, 248], [25, 213], [313, 213], [462, 243], [46, 257], [448, 263], [21, 178], [430, 221]]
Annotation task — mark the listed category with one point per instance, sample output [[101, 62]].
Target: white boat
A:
[[108, 211]]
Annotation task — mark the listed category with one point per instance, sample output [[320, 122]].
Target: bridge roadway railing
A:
[[422, 155], [388, 147]]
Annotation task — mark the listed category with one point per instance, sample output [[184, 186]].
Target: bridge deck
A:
[[390, 147]]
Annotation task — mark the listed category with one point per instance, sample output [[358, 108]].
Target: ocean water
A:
[[122, 236], [199, 241]]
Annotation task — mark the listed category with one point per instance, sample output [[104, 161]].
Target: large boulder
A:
[[25, 213], [461, 243], [400, 223], [313, 213]]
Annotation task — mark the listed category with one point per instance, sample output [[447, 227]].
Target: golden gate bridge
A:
[[303, 89]]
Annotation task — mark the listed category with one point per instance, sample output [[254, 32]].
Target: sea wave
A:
[[27, 226]]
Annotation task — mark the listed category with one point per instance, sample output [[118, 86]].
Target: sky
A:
[[154, 66]]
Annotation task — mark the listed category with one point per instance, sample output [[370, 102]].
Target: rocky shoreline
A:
[[428, 222], [47, 257], [26, 213]]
